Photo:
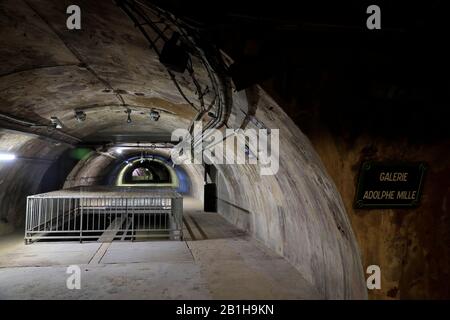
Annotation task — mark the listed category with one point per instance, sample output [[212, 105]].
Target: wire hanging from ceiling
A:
[[154, 23]]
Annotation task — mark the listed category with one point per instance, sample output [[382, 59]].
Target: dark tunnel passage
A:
[[145, 172], [90, 123]]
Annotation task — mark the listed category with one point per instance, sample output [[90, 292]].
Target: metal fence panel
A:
[[102, 218]]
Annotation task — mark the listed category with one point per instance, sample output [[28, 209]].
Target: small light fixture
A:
[[7, 156], [56, 122], [80, 115], [154, 115], [212, 115]]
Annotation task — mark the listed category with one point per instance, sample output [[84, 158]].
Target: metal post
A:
[[132, 220], [39, 216], [26, 219], [81, 220], [175, 216]]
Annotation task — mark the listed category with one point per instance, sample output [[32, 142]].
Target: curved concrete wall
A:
[[298, 212], [22, 176], [88, 171]]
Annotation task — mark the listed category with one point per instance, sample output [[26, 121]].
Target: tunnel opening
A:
[[150, 171], [142, 174], [146, 172]]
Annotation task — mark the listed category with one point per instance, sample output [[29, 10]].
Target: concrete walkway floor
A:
[[217, 261]]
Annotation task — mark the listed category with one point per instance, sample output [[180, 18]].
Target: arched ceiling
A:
[[103, 69]]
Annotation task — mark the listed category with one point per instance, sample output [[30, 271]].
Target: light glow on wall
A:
[[7, 156]]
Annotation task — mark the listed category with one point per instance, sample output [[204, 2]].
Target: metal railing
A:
[[103, 218]]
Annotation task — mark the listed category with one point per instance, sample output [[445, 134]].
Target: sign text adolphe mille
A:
[[389, 184]]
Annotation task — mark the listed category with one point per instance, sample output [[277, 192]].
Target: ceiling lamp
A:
[[154, 115], [56, 123], [80, 116]]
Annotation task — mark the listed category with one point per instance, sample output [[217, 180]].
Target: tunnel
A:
[[96, 124]]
